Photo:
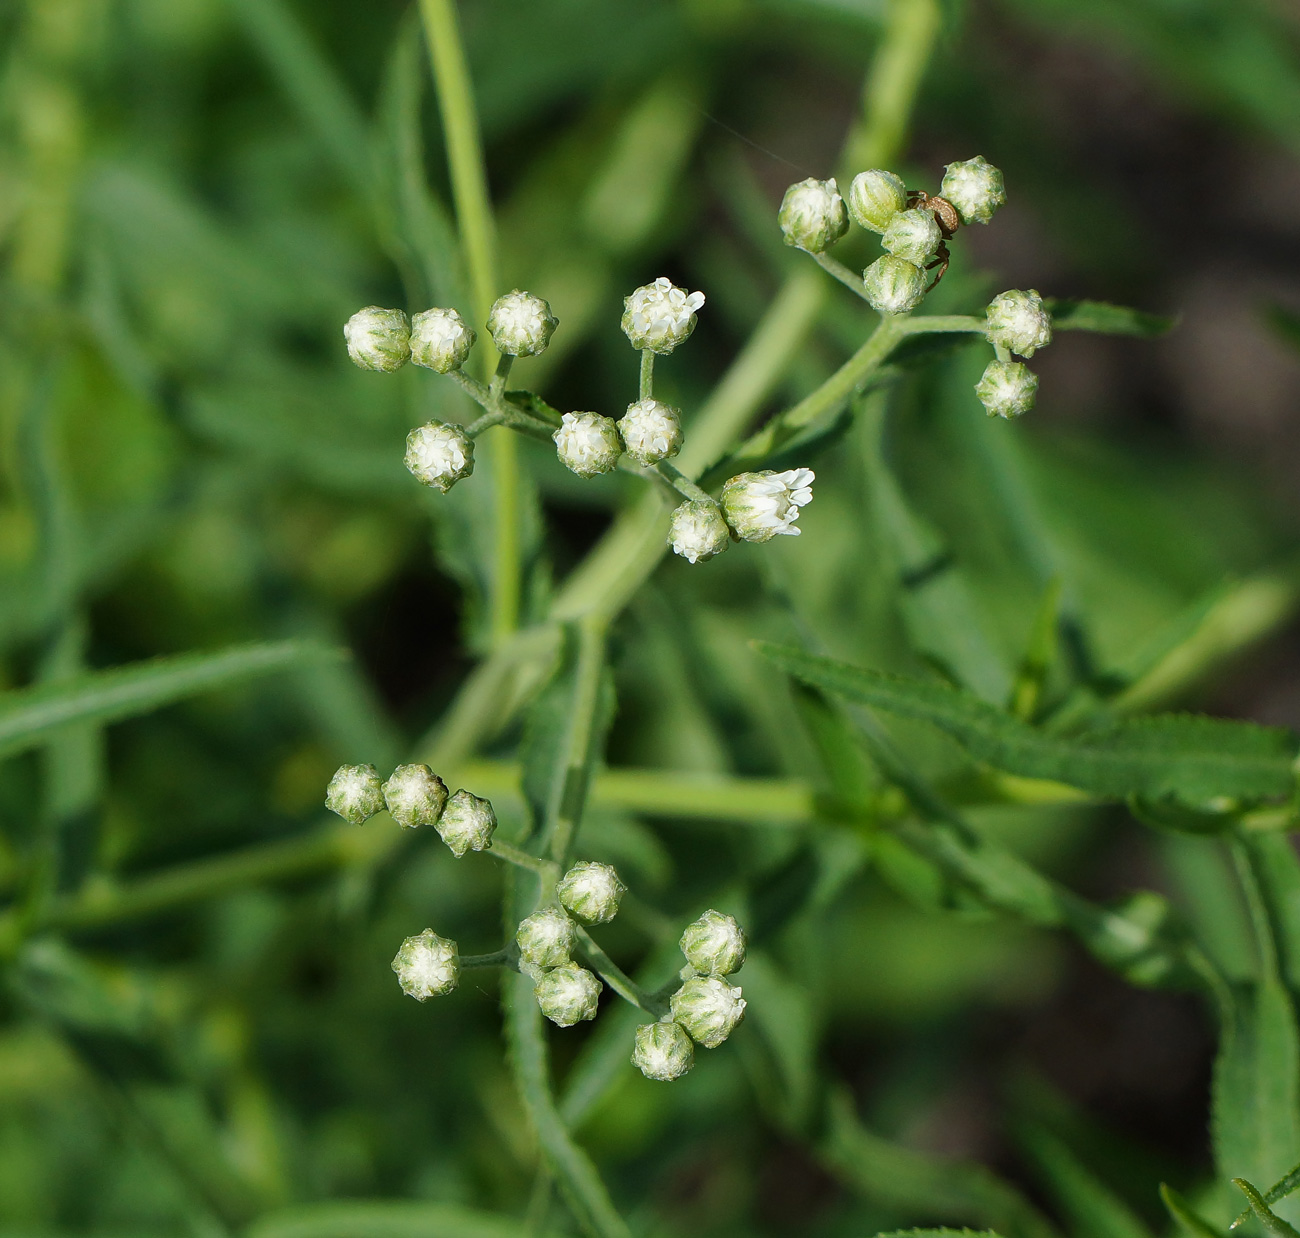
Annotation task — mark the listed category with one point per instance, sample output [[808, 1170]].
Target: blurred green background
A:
[[196, 194]]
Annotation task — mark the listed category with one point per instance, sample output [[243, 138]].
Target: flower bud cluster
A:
[[1018, 322]]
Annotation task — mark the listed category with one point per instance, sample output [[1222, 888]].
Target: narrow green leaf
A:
[[1106, 319], [1272, 1223], [385, 1218], [1285, 1186], [1032, 673], [1277, 874], [1093, 1209], [939, 1233], [1182, 1212], [30, 715]]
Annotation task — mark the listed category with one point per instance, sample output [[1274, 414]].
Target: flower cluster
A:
[[1018, 322]]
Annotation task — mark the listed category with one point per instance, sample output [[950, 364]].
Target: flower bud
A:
[[354, 793], [1007, 388], [709, 1009], [714, 945], [812, 215], [441, 340], [588, 443], [663, 1051], [894, 285], [975, 188], [415, 795], [698, 530], [521, 324], [1019, 321], [758, 506], [439, 454], [660, 316], [467, 823], [545, 938], [427, 965], [568, 995], [875, 197], [651, 431], [378, 339], [913, 236], [591, 892]]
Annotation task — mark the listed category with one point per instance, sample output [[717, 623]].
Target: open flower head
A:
[[894, 285], [975, 188], [427, 965], [758, 506], [378, 338], [663, 1052], [812, 215], [467, 823], [591, 891], [651, 431], [521, 324], [568, 995], [545, 938], [1007, 388], [714, 945], [1019, 321], [415, 795], [709, 1009], [441, 340], [355, 793], [439, 454], [588, 443], [875, 197], [698, 530], [660, 316], [913, 236]]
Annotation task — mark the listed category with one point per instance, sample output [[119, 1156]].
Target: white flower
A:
[[439, 454], [697, 531], [521, 324], [875, 197], [709, 1009], [568, 995], [1007, 388], [415, 795], [975, 188], [467, 823], [894, 285], [378, 338], [651, 431], [588, 443], [758, 506], [546, 938], [660, 316], [354, 793], [441, 340], [663, 1051], [591, 891], [1019, 321], [913, 236], [812, 215], [427, 965], [715, 944]]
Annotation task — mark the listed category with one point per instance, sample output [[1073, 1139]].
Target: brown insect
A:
[[945, 215]]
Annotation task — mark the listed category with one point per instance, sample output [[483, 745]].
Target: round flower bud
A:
[[913, 236], [709, 1009], [521, 324], [588, 443], [812, 215], [975, 188], [651, 431], [467, 823], [427, 965], [439, 454], [660, 316], [875, 197], [663, 1051], [894, 285], [545, 938], [415, 795], [591, 892], [378, 339], [714, 945], [1019, 321], [441, 340], [354, 793], [758, 506], [698, 530], [1007, 388], [567, 995]]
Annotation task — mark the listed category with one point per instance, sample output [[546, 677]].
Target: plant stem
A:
[[618, 979], [647, 375], [839, 271], [681, 483], [498, 958], [486, 422], [931, 323], [510, 854], [473, 388]]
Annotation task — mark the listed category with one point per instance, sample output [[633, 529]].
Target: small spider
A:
[[945, 215]]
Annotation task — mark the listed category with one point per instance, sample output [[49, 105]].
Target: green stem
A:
[[931, 323], [510, 854], [839, 271], [618, 979], [647, 375], [486, 422], [498, 958], [474, 389], [496, 389]]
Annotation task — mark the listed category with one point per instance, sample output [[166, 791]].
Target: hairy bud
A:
[[427, 966], [715, 944], [591, 891], [975, 188], [521, 324], [651, 431], [709, 1009], [758, 506], [659, 316], [467, 823], [441, 340], [439, 454], [913, 236], [698, 530], [568, 995], [875, 197], [1007, 388], [894, 285], [812, 215], [663, 1051], [1019, 321], [415, 795], [545, 938], [355, 793], [378, 338], [588, 443]]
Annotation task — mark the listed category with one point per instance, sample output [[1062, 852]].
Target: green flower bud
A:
[[651, 431], [378, 339], [588, 443], [913, 236], [663, 1051], [415, 795], [591, 892], [894, 285], [698, 530], [439, 454], [521, 324], [545, 938], [354, 793], [812, 215], [467, 823], [659, 316], [975, 188], [441, 340], [875, 197], [1019, 321], [714, 945], [568, 995], [709, 1009], [1007, 388], [427, 966], [758, 506]]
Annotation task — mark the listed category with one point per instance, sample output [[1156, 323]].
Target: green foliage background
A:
[[199, 1032]]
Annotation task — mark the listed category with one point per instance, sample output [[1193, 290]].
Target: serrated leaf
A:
[[1105, 319]]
